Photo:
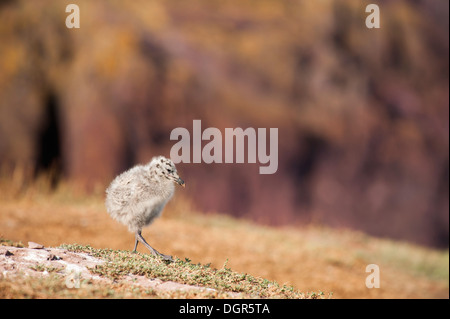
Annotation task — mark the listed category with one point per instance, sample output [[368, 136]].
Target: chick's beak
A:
[[180, 182]]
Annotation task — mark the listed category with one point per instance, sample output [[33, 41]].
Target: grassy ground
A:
[[127, 271], [225, 282], [313, 259]]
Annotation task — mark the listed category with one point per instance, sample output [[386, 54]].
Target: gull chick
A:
[[137, 196]]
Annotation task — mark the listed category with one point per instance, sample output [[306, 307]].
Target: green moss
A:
[[120, 263]]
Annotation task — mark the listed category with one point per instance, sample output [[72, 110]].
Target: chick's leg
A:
[[152, 250]]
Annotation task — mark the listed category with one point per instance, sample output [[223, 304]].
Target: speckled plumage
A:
[[137, 196]]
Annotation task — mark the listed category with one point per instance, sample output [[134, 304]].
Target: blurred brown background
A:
[[362, 113]]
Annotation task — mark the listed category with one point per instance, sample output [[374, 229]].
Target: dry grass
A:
[[53, 286], [311, 259], [225, 282]]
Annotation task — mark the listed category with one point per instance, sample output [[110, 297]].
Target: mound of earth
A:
[[37, 261]]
